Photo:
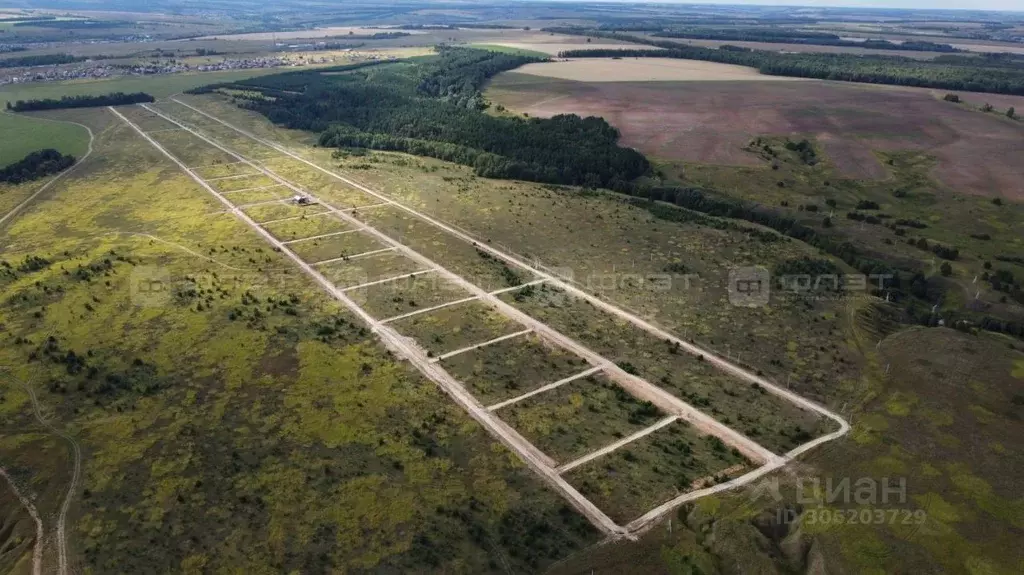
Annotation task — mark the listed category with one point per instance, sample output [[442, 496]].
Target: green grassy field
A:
[[236, 403], [456, 327], [970, 512], [346, 424], [773, 422], [511, 368], [579, 417], [158, 86], [654, 469], [24, 134]]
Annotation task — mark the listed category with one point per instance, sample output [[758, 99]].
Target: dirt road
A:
[[773, 462], [37, 549], [55, 179], [636, 386], [76, 473], [534, 458]]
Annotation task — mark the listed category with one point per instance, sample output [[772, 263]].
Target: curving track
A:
[[56, 178]]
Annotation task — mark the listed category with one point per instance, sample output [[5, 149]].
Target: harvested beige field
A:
[[1013, 49], [644, 70]]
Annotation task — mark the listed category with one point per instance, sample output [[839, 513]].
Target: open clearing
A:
[[511, 368], [456, 327], [305, 227], [628, 409], [23, 134], [461, 257], [347, 436], [579, 417], [585, 418], [335, 246], [369, 269], [643, 70], [656, 468], [773, 422], [711, 122]]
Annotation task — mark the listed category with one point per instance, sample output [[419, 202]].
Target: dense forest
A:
[[36, 165], [433, 106], [790, 36], [113, 99], [40, 60], [999, 76]]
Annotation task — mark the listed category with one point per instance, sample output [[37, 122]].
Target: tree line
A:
[[946, 72], [459, 75], [113, 99], [433, 106], [40, 60], [36, 165]]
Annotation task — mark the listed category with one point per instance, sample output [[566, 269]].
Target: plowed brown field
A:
[[711, 122]]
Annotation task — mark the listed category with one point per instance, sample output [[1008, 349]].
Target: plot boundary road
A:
[[536, 460], [14, 211], [634, 385]]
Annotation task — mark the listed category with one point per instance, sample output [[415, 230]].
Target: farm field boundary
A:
[[540, 462]]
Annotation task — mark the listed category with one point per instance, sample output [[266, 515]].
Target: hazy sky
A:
[[1016, 5]]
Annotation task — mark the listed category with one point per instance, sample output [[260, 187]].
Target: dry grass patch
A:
[[396, 297], [242, 181], [654, 469], [579, 417], [331, 247], [456, 327], [513, 367], [307, 226], [280, 210], [367, 269]]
